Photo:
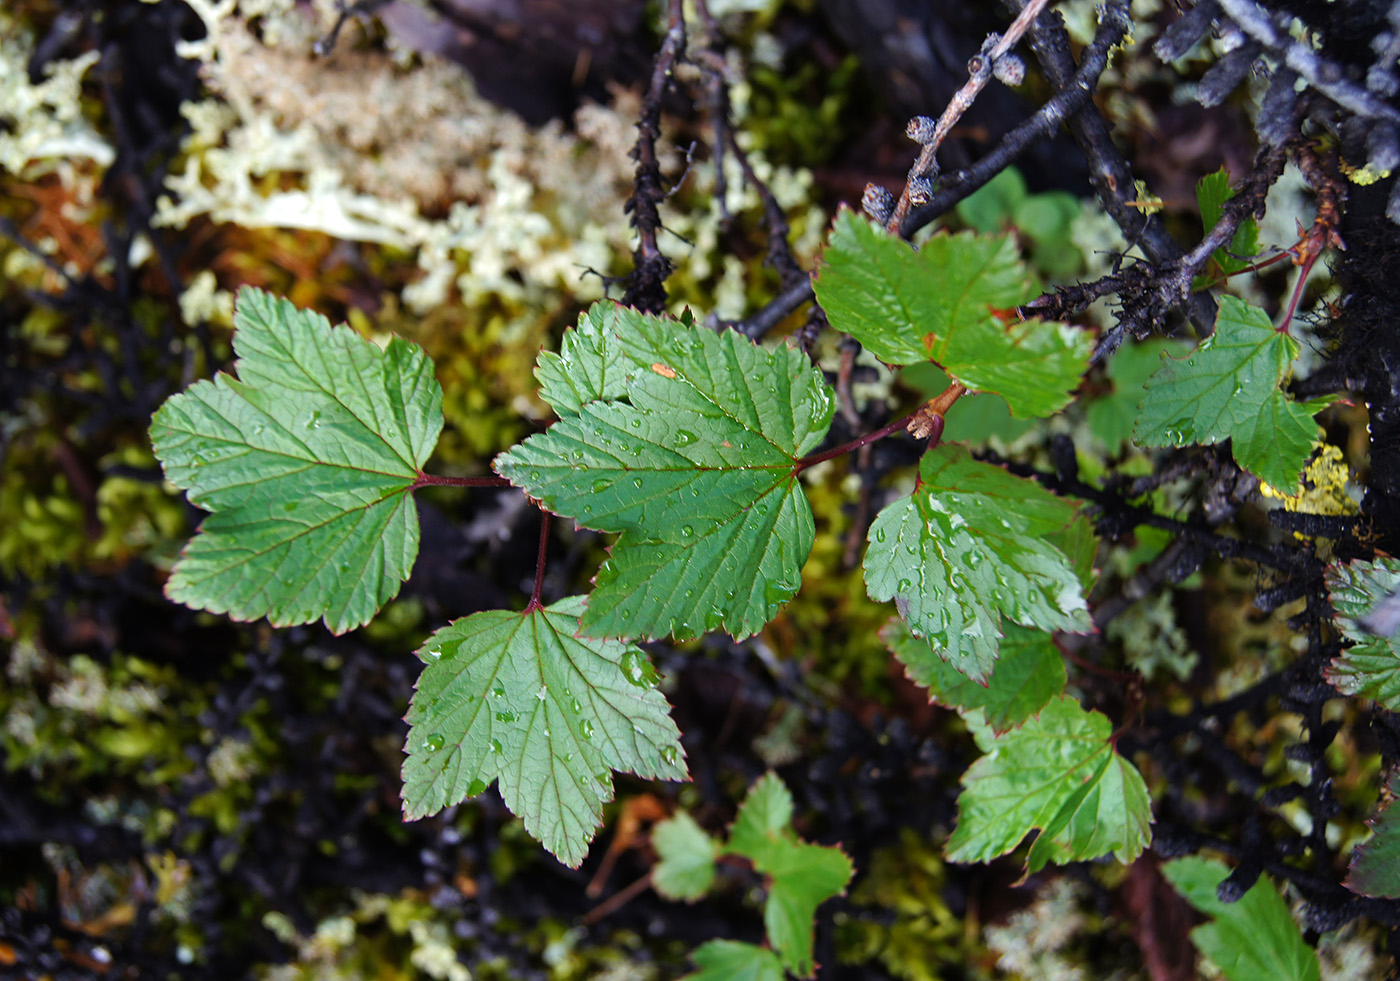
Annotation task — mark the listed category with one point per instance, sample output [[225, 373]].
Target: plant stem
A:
[[852, 446], [434, 480], [538, 591]]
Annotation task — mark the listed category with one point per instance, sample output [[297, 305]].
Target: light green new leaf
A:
[[800, 876], [969, 546], [687, 866], [516, 697], [952, 302], [590, 364], [1110, 417], [306, 462], [1229, 389], [1371, 666], [1028, 674], [733, 960], [1057, 773], [1253, 939], [1375, 865], [698, 475], [1212, 191]]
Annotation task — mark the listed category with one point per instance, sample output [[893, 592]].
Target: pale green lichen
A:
[[42, 129]]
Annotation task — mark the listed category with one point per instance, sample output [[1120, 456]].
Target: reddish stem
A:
[[1307, 265], [852, 446], [538, 592], [433, 480]]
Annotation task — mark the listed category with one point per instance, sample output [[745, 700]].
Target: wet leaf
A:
[[519, 699], [1371, 666], [1057, 773], [973, 544], [306, 461], [696, 471], [1229, 389]]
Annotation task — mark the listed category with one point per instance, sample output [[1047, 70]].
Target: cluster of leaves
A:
[[688, 444]]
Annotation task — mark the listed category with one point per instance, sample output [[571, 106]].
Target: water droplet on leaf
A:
[[434, 742]]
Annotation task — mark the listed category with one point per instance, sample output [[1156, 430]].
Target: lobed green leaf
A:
[[952, 302], [1229, 389], [519, 699], [1375, 865], [306, 462], [697, 473], [969, 546], [1057, 773], [1252, 939], [686, 868], [800, 876], [1371, 666]]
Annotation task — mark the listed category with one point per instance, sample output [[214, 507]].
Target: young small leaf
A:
[[968, 547], [687, 866], [1029, 672], [952, 302], [1229, 389], [732, 960], [800, 876], [1371, 666], [697, 473], [1253, 939], [1058, 773], [1375, 865], [306, 462], [1212, 191], [518, 698]]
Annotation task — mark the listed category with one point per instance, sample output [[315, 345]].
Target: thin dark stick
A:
[[435, 480]]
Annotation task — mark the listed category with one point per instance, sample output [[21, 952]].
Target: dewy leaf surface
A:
[[590, 364], [952, 302], [517, 698], [800, 876], [696, 473], [1229, 389], [306, 462], [733, 960], [1029, 672], [1253, 939], [969, 546], [1371, 666], [1375, 866], [1057, 773]]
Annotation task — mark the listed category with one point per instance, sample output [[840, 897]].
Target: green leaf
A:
[[1229, 389], [1254, 939], [731, 960], [687, 866], [800, 876], [1375, 865], [590, 364], [1110, 417], [697, 473], [1371, 666], [1058, 773], [518, 698], [968, 547], [306, 462], [952, 302], [1028, 674], [1212, 191]]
